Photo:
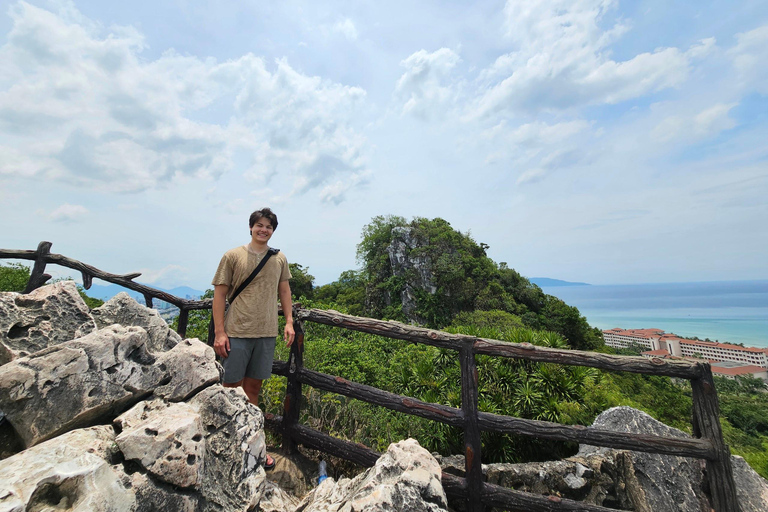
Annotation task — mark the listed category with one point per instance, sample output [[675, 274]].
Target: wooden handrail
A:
[[707, 445]]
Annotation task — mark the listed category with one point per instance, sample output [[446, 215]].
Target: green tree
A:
[[302, 282], [464, 278], [14, 277]]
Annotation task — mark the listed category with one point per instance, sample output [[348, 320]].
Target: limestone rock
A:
[[751, 487], [48, 316], [124, 310], [417, 267], [597, 479], [235, 448], [673, 483], [77, 383], [666, 482], [70, 472], [169, 445], [187, 368], [406, 478], [154, 497], [275, 499]]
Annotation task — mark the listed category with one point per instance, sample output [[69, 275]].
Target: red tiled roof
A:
[[739, 370], [660, 352]]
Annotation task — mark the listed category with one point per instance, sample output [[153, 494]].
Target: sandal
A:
[[269, 463]]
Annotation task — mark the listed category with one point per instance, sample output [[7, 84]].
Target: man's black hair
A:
[[263, 213]]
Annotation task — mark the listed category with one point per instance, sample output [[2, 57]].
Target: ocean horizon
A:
[[724, 311]]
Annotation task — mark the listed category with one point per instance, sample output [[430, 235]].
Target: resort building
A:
[[657, 343]]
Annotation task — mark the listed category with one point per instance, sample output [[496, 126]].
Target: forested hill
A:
[[426, 272]]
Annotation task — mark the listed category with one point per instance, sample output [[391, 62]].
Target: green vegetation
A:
[[478, 297], [14, 277]]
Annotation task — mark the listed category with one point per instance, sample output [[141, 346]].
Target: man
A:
[[245, 339]]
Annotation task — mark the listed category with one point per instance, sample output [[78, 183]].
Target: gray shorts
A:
[[249, 357]]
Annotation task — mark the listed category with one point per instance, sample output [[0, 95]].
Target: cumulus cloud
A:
[[68, 213], [561, 60], [425, 86], [749, 57], [80, 105]]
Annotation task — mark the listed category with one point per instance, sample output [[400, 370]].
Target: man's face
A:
[[262, 231]]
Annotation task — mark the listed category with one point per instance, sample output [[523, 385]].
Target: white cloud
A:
[[68, 213], [749, 57], [695, 126], [537, 149], [425, 87], [346, 27], [561, 60], [81, 106], [170, 275]]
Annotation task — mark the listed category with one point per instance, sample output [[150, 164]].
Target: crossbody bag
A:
[[211, 327]]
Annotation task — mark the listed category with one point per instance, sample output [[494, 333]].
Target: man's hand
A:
[[289, 334], [221, 345]]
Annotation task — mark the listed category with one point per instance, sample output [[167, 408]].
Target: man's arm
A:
[[221, 340], [284, 291]]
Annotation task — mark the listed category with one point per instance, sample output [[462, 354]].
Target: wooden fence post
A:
[[183, 321], [472, 443], [38, 277], [292, 402], [706, 424]]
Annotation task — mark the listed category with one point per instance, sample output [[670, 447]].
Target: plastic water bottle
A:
[[322, 475]]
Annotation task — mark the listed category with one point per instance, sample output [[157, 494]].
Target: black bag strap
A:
[[270, 252]]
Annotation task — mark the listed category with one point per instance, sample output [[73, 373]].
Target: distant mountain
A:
[[546, 281], [106, 292]]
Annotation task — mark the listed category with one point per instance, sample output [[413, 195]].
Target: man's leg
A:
[[252, 388]]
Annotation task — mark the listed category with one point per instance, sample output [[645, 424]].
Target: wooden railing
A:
[[707, 443], [42, 256]]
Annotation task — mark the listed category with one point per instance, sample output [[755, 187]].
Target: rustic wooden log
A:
[[292, 401], [401, 403], [706, 424], [148, 301], [183, 321], [385, 328], [280, 368], [472, 443], [454, 486], [353, 452], [38, 277], [274, 423], [680, 447], [124, 280], [518, 501], [635, 364]]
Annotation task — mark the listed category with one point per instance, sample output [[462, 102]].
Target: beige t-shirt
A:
[[254, 312]]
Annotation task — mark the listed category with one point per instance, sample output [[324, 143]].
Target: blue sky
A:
[[587, 140]]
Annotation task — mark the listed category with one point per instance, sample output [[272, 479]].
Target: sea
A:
[[724, 311]]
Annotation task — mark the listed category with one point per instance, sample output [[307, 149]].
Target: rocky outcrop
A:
[[167, 457], [406, 478], [663, 482], [622, 479], [179, 441], [124, 310], [80, 382], [415, 268], [48, 316], [72, 472]]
